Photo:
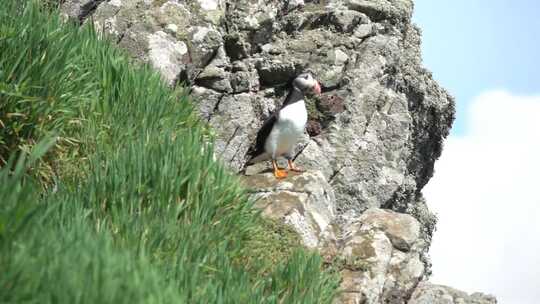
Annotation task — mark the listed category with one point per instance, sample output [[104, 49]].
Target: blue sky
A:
[[473, 46], [487, 54]]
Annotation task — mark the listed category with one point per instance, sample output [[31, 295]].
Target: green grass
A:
[[126, 204]]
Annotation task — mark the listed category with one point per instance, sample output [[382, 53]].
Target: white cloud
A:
[[486, 194]]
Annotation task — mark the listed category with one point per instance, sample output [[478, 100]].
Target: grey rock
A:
[[387, 247], [276, 72], [215, 78], [427, 293], [210, 5], [401, 229], [170, 13], [207, 101], [381, 10], [166, 55], [237, 48], [171, 29], [340, 20], [365, 30], [303, 201], [245, 81], [294, 4], [205, 42], [234, 119]]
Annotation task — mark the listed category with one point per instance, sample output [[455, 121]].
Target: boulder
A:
[[385, 250], [166, 55], [304, 201], [427, 293]]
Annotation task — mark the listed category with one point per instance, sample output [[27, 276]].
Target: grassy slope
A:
[[140, 211]]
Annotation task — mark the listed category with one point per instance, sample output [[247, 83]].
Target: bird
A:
[[280, 133]]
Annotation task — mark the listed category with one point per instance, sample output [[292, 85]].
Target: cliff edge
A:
[[372, 137]]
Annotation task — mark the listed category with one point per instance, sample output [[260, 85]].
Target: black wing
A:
[[262, 135]]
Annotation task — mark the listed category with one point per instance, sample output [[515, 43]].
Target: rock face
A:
[[306, 202], [379, 254], [427, 293], [388, 245], [372, 137]]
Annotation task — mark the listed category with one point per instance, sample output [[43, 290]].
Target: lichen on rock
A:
[[427, 293], [304, 201], [389, 243]]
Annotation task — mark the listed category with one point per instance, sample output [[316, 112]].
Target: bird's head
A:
[[306, 83]]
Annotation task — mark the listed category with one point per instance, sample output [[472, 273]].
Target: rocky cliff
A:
[[372, 137]]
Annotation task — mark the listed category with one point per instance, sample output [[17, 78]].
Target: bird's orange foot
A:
[[280, 174], [294, 168]]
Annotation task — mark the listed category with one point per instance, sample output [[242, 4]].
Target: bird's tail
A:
[[258, 158]]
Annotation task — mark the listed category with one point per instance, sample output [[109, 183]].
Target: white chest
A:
[[294, 116], [288, 129]]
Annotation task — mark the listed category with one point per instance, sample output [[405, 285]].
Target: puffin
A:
[[281, 132]]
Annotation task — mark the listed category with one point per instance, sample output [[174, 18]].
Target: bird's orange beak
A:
[[317, 88]]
